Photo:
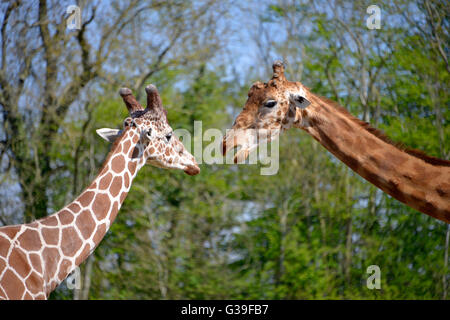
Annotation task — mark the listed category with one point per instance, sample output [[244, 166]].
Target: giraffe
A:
[[36, 257], [410, 176]]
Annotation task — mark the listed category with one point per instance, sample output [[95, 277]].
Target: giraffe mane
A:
[[382, 136]]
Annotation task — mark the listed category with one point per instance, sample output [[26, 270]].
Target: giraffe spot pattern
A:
[[51, 259], [66, 217], [116, 186], [100, 233], [101, 206], [14, 284], [75, 208], [51, 246], [50, 221], [105, 181], [71, 241], [10, 231], [118, 164], [4, 246], [35, 262], [86, 224], [114, 211], [18, 258], [30, 240], [50, 235], [34, 283], [64, 268], [86, 198], [84, 254]]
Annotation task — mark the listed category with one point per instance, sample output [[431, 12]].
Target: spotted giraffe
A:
[[36, 257], [410, 176]]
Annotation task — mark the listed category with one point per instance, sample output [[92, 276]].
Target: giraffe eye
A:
[[168, 136], [270, 104], [300, 99], [149, 132]]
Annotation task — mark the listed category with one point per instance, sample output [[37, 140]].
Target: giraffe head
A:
[[156, 144], [270, 109]]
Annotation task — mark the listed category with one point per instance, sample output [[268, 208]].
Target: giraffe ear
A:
[[109, 134], [299, 100]]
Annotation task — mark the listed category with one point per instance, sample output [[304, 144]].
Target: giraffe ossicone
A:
[[420, 181], [36, 257]]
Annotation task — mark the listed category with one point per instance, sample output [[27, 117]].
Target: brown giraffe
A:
[[36, 257], [420, 181]]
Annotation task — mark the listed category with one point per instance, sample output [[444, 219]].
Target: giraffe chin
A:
[[192, 170]]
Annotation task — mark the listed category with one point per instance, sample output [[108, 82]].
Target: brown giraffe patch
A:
[[100, 233], [84, 254], [86, 198], [114, 211], [135, 138], [51, 259], [101, 206], [50, 235], [64, 268], [132, 167], [75, 208], [66, 217], [126, 146], [18, 259], [105, 181], [4, 246], [71, 241], [34, 283], [14, 285], [36, 262], [116, 186], [443, 189], [126, 180], [85, 224], [118, 164], [50, 221], [123, 196], [10, 231], [30, 240]]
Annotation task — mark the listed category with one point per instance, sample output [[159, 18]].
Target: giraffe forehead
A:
[[277, 90], [153, 122]]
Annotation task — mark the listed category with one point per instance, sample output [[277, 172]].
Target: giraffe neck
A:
[[49, 249], [408, 178]]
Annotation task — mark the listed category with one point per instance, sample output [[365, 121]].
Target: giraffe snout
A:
[[192, 170]]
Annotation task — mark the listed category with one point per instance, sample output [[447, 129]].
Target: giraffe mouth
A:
[[241, 142], [192, 170]]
